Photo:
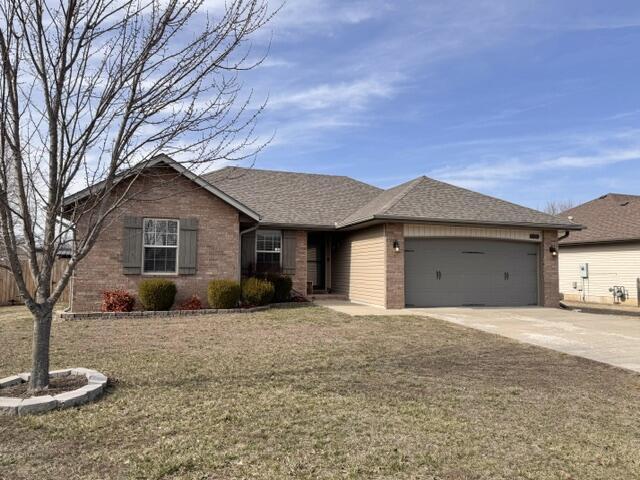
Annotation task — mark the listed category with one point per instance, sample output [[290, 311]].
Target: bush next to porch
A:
[[157, 294], [282, 285], [257, 292], [223, 293]]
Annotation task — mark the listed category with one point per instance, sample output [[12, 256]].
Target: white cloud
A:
[[355, 95], [497, 168]]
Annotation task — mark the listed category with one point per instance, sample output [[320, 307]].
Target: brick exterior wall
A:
[[549, 278], [162, 194], [300, 277], [394, 265]]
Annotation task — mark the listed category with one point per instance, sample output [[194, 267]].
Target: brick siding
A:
[[549, 278], [162, 194], [300, 277], [394, 266]]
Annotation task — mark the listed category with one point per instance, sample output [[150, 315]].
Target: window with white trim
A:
[[160, 245], [268, 247]]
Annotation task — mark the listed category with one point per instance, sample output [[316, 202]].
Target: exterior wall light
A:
[[553, 250], [396, 246]]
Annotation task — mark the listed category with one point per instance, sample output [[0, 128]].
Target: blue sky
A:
[[527, 100]]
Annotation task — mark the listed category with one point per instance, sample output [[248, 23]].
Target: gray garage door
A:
[[459, 272]]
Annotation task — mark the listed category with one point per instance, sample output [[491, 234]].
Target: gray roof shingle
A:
[[334, 201], [428, 199], [293, 198], [612, 217]]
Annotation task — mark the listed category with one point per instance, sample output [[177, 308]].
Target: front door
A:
[[315, 260]]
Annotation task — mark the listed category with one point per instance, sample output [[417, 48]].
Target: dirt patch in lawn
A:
[[312, 394], [56, 385]]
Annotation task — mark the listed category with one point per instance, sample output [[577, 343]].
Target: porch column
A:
[[300, 277], [549, 278]]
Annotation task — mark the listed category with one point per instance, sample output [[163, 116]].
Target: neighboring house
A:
[[602, 262], [422, 243]]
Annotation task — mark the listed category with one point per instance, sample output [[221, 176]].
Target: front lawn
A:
[[309, 393]]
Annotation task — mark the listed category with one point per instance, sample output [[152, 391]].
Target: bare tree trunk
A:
[[40, 358]]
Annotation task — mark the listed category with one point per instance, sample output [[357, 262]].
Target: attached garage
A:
[[443, 272]]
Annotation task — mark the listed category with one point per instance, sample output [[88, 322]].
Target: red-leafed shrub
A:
[[192, 303], [117, 301]]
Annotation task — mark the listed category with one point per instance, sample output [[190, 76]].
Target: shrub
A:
[[192, 303], [117, 301], [157, 294], [257, 292], [282, 285], [223, 294]]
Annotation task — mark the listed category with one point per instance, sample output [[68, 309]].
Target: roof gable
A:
[[164, 160], [613, 217]]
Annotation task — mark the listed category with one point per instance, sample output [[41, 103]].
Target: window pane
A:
[[268, 262], [159, 260], [172, 239], [172, 226]]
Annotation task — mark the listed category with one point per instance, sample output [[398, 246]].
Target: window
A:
[[268, 244], [160, 240]]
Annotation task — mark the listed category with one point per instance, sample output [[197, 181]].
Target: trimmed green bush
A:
[[257, 292], [157, 294], [282, 285], [223, 294]]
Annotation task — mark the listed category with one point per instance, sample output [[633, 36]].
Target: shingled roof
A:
[[612, 217], [426, 199], [329, 201], [289, 198]]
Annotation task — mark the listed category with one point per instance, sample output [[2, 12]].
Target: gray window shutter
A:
[[188, 245], [248, 253], [132, 246], [289, 252]]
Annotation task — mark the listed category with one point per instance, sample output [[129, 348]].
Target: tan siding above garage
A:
[[609, 265], [426, 230], [358, 266]]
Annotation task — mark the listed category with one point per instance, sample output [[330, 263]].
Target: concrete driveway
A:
[[612, 339]]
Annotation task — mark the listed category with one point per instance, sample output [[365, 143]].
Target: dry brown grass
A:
[[308, 393]]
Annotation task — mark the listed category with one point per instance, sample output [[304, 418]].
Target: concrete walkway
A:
[[612, 339]]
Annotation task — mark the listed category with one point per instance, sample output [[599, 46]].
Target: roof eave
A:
[[396, 218], [577, 243]]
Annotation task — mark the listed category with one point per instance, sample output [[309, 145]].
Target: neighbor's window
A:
[[160, 246], [268, 244]]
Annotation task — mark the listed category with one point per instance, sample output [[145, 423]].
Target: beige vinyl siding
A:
[[358, 266], [426, 230], [609, 265]]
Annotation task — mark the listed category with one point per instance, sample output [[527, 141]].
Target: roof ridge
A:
[[491, 196], [409, 185]]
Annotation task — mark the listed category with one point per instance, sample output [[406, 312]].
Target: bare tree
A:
[[90, 88], [555, 207]]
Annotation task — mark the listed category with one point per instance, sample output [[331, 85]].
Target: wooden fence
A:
[[9, 293]]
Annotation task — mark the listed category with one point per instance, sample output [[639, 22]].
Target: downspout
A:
[[566, 234]]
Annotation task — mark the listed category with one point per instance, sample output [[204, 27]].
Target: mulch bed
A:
[[56, 385]]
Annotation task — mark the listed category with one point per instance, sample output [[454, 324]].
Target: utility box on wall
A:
[[584, 270]]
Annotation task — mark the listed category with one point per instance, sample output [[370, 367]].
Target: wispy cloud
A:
[[354, 94], [499, 168]]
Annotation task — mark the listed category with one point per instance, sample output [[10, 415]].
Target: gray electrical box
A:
[[584, 270]]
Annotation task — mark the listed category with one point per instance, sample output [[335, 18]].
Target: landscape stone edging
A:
[[176, 313], [26, 406]]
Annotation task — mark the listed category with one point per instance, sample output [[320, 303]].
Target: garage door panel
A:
[[455, 272]]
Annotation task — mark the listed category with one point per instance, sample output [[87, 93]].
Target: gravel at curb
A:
[[97, 383]]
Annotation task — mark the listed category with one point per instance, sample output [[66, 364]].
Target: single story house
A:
[[422, 243], [601, 263]]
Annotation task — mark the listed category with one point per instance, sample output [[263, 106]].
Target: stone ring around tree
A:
[[94, 388]]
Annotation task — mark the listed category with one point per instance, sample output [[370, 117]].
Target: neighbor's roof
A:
[[289, 198], [426, 199], [612, 217], [164, 160]]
